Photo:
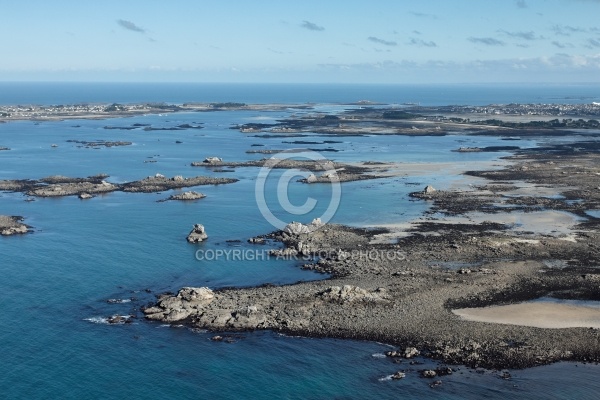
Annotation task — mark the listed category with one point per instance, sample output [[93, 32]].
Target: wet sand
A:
[[547, 315]]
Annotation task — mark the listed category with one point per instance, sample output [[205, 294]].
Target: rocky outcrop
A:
[[160, 183], [12, 226], [399, 375], [297, 228], [312, 178], [409, 352], [71, 189], [56, 186], [198, 234], [85, 196], [429, 373], [428, 192], [429, 189], [187, 196], [213, 160], [188, 301]]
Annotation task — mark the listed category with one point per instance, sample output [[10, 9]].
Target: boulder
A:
[[429, 190], [411, 352], [118, 319], [329, 175], [198, 234], [213, 160], [399, 375], [85, 196], [297, 228], [312, 178], [428, 373], [192, 294], [348, 293], [177, 178]]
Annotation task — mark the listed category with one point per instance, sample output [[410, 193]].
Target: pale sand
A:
[[535, 314]]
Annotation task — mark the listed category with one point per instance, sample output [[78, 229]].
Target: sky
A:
[[349, 41]]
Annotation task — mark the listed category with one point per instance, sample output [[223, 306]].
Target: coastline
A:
[[409, 302]]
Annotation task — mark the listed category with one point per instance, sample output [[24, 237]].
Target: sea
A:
[[88, 260]]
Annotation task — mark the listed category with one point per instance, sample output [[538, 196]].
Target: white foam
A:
[[385, 378], [119, 301], [378, 355], [97, 320]]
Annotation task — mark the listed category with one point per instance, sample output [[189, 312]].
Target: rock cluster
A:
[[14, 230], [348, 293], [198, 234], [12, 226], [409, 352], [54, 186], [187, 196], [399, 375], [176, 308], [297, 228], [74, 188], [212, 160]]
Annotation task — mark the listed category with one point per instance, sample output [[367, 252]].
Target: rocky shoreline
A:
[[400, 285]]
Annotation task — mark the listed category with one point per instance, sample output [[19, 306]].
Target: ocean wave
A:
[[385, 378], [97, 320], [118, 301], [378, 355], [112, 320]]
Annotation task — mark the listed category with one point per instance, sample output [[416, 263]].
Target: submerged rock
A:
[[198, 234]]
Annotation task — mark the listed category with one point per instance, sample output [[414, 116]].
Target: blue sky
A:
[[391, 41]]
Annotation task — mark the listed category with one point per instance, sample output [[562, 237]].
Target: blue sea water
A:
[[471, 94], [56, 282]]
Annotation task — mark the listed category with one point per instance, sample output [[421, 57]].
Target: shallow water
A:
[[56, 282]]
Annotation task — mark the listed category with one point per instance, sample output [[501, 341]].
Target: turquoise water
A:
[[56, 282]]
